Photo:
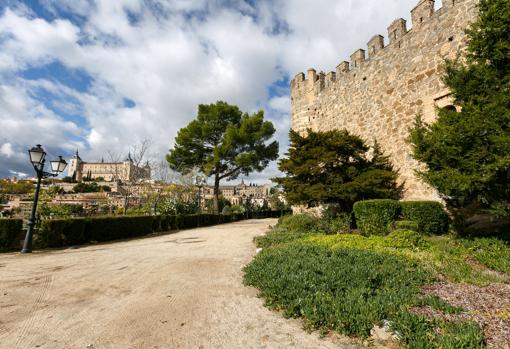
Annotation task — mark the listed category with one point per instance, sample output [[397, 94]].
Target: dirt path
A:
[[181, 290]]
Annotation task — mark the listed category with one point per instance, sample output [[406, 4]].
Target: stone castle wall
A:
[[378, 97]]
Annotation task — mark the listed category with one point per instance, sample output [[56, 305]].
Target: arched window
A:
[[450, 107]]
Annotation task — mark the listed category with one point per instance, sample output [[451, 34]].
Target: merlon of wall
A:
[[397, 33], [423, 11], [397, 29], [375, 45]]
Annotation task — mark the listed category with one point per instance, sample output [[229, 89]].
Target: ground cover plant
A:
[[349, 283]]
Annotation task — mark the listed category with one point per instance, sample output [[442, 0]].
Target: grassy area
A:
[[348, 283]]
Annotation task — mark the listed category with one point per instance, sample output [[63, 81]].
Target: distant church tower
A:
[[74, 169]]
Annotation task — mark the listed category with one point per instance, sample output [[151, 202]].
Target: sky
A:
[[100, 76]]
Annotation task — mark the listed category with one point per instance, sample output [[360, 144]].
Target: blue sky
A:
[[101, 76]]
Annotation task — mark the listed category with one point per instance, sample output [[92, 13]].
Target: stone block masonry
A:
[[378, 97]]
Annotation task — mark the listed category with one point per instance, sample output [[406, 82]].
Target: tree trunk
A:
[[216, 193]]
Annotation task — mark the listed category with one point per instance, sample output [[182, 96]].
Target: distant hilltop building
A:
[[238, 194], [125, 171], [378, 97]]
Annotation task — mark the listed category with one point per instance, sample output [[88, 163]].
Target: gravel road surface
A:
[[181, 290]]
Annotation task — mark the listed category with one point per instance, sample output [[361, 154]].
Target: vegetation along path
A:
[[181, 290]]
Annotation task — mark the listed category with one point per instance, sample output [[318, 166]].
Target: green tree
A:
[[223, 142], [86, 188], [19, 187], [333, 168], [467, 153]]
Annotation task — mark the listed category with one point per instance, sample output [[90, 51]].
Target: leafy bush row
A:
[[9, 232], [73, 231], [375, 217]]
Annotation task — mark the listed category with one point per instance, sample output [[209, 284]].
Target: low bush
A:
[[10, 229], [346, 290], [420, 332], [439, 304], [407, 225], [115, 228], [293, 227], [429, 215], [349, 283], [61, 232], [492, 252], [403, 238], [300, 223], [72, 231], [374, 216], [157, 223], [338, 224]]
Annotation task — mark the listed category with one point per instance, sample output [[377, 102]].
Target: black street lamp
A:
[[38, 158], [200, 183]]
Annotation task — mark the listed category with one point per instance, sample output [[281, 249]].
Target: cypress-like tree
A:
[[334, 168], [467, 152]]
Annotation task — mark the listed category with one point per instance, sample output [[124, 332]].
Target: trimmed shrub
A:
[[403, 238], [61, 232], [156, 223], [72, 231], [114, 228], [340, 224], [407, 225], [300, 224], [374, 216], [429, 215], [190, 221], [9, 232]]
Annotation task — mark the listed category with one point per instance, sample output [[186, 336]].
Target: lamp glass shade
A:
[[61, 164], [54, 165], [37, 155], [58, 165]]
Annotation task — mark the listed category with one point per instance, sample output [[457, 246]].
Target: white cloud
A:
[[281, 104], [6, 149], [167, 57]]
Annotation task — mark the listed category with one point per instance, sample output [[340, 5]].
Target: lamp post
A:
[[38, 159], [200, 182]]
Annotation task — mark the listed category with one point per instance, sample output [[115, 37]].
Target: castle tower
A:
[[74, 170]]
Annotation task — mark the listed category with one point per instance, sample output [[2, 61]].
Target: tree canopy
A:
[[335, 167], [467, 153], [223, 142]]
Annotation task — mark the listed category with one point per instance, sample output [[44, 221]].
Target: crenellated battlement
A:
[[398, 34], [380, 90]]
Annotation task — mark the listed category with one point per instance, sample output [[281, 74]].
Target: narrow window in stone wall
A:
[[373, 49], [450, 107], [395, 34]]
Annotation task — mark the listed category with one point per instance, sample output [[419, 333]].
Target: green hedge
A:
[[9, 232], [374, 216], [114, 228], [429, 215], [62, 232], [406, 225], [73, 231]]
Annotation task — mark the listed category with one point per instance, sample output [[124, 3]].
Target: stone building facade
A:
[[238, 194], [125, 171], [378, 95]]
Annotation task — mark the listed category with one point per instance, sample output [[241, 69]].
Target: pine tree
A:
[[467, 153]]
